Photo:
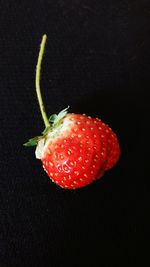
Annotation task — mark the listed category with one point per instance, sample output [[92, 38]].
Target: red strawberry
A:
[[78, 150], [75, 149]]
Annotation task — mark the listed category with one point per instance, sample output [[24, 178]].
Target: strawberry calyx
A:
[[54, 122]]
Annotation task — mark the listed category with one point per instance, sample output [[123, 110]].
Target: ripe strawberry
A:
[[78, 150], [75, 149]]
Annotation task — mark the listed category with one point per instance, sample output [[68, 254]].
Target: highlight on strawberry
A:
[[75, 149]]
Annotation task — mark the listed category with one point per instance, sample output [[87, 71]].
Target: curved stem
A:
[[37, 81]]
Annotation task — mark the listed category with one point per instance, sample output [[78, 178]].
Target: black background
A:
[[97, 61]]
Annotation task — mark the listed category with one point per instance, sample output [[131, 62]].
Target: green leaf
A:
[[61, 114], [33, 141], [52, 118]]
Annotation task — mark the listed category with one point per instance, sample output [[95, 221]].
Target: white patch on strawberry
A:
[[39, 148], [58, 131]]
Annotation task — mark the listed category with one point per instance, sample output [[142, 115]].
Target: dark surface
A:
[[97, 60]]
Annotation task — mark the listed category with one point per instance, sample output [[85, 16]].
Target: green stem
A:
[[37, 81]]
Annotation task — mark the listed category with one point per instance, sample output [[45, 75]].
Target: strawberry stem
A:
[[37, 81]]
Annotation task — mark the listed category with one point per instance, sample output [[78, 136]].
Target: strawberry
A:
[[75, 149], [78, 150]]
